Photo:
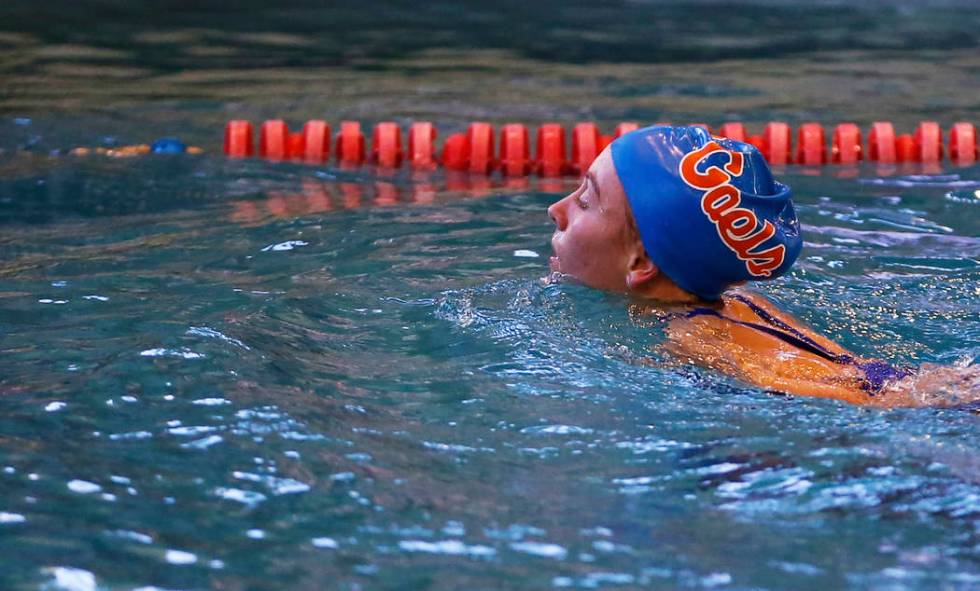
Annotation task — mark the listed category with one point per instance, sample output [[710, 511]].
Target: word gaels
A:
[[737, 227]]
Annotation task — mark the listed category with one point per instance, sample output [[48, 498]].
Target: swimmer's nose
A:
[[557, 214]]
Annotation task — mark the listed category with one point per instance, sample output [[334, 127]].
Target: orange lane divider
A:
[[480, 137], [350, 144], [811, 147], [963, 143], [733, 130], [586, 142], [846, 144], [386, 147], [475, 150], [515, 150], [776, 143], [881, 143], [422, 145], [928, 141], [551, 150], [273, 140]]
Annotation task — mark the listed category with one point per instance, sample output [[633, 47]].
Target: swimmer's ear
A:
[[641, 270]]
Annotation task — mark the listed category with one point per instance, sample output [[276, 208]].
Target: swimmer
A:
[[680, 220]]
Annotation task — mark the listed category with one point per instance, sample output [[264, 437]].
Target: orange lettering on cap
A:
[[737, 227], [765, 262], [719, 200], [713, 176]]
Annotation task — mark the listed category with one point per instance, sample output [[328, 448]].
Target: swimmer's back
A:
[[746, 337]]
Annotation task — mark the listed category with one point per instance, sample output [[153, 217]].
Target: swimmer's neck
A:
[[663, 290]]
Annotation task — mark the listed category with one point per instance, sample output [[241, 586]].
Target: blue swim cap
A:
[[707, 208], [168, 145]]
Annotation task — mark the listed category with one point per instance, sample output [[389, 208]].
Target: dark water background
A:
[[243, 375]]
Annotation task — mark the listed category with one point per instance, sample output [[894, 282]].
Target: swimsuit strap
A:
[[803, 343], [812, 345], [876, 373]]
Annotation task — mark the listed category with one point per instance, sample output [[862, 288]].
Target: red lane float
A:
[[273, 140], [350, 144], [881, 143], [422, 145], [551, 150], [928, 140], [733, 131], [586, 143], [776, 141], [473, 151], [316, 141], [905, 148], [294, 145], [238, 139], [963, 143], [846, 147], [480, 137], [625, 127], [386, 147], [604, 141], [515, 151], [811, 145], [456, 152]]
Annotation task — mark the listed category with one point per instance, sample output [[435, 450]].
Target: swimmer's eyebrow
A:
[[595, 186]]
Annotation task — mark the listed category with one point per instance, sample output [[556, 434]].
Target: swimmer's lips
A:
[[553, 263]]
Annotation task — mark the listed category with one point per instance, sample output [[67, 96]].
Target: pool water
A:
[[223, 374]]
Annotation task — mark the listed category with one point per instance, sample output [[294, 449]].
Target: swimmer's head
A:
[[673, 210]]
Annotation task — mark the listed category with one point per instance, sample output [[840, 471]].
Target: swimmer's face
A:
[[592, 242]]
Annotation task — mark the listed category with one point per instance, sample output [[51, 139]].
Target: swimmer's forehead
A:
[[605, 181]]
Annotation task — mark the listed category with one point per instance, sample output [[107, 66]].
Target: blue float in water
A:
[[168, 145]]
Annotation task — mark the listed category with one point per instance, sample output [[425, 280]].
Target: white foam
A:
[[203, 443], [246, 497], [183, 352], [67, 578], [11, 517], [325, 543], [541, 549], [556, 430], [450, 547], [211, 401], [179, 557], [83, 487], [287, 245]]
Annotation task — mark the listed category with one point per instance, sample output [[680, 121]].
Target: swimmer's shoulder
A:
[[749, 306]]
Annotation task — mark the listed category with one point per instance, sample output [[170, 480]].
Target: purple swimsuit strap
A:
[[876, 373]]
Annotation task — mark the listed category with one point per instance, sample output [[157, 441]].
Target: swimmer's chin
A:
[[555, 276]]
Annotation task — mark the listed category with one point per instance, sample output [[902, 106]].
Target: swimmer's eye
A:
[[580, 197]]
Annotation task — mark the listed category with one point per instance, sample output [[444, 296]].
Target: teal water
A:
[[243, 375]]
